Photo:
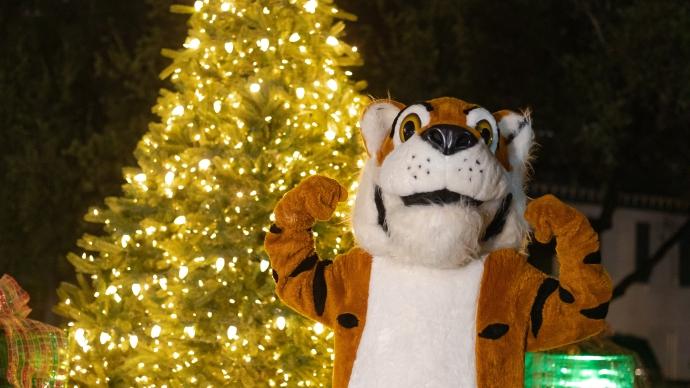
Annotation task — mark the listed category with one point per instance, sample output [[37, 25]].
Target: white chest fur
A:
[[420, 327]]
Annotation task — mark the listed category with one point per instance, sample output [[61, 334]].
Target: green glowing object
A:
[[544, 370]]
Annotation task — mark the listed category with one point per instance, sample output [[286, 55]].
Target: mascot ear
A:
[[516, 128], [377, 121]]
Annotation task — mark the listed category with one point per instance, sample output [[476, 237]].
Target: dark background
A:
[[608, 83]]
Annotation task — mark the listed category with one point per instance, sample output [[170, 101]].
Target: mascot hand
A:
[[550, 217], [314, 199]]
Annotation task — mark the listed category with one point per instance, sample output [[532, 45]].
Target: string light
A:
[[104, 337], [169, 177], [310, 6], [332, 40], [263, 44], [193, 43], [177, 110], [231, 332], [299, 92], [125, 239], [204, 164], [80, 337], [220, 263]]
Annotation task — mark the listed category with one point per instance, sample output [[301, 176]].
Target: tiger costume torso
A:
[[438, 293]]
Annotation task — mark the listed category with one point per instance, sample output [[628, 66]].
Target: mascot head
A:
[[444, 181]]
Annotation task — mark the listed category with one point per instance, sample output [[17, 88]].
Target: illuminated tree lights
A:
[[177, 291]]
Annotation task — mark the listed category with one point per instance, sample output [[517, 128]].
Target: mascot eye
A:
[[409, 126], [484, 129]]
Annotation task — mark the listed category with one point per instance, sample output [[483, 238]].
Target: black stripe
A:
[[498, 131], [380, 208], [565, 295], [598, 312], [395, 121], [305, 265], [319, 287], [494, 331], [275, 229], [427, 105], [275, 275], [348, 320], [547, 287], [499, 221], [593, 258], [523, 123]]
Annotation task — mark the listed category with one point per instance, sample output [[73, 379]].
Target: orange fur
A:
[[502, 153], [347, 278], [510, 286]]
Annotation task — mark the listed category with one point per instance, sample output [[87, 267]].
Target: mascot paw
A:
[[549, 217], [314, 199]]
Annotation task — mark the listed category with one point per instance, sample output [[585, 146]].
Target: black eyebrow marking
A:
[[427, 105], [466, 111], [395, 121], [498, 132]]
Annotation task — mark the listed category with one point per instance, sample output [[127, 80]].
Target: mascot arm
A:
[[302, 279], [573, 307]]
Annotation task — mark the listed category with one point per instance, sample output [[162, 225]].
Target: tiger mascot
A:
[[439, 292]]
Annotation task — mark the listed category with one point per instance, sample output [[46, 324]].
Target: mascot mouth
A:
[[439, 197]]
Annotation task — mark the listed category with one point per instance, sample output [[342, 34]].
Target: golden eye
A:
[[409, 126], [485, 131]]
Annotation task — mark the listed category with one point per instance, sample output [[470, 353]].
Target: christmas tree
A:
[[176, 291]]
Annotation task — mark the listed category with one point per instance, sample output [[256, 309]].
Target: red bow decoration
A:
[[31, 348]]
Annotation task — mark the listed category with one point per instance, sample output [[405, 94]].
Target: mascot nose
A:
[[449, 139]]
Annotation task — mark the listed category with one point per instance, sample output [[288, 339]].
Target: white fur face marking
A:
[[437, 204], [416, 167]]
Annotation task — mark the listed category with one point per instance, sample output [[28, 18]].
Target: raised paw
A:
[[550, 217], [314, 199]]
